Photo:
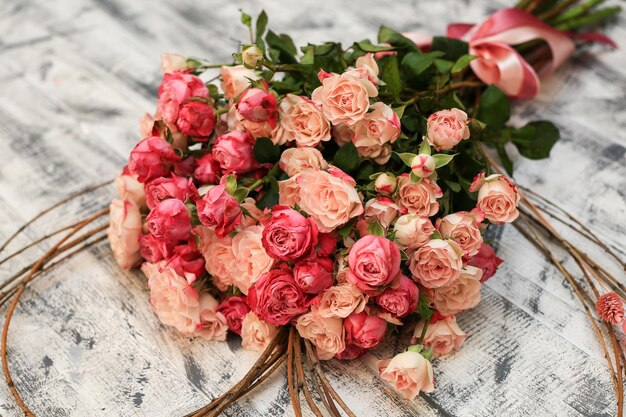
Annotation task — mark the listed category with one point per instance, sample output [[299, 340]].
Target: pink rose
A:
[[382, 210], [124, 232], [234, 152], [399, 299], [170, 221], [462, 227], [409, 373], [196, 119], [423, 165], [148, 126], [176, 89], [153, 250], [207, 170], [171, 62], [234, 310], [212, 324], [162, 188], [497, 197], [153, 157], [342, 133], [276, 298], [372, 149], [252, 215], [302, 121], [368, 63], [380, 124], [364, 330], [128, 188], [327, 334], [437, 263], [487, 260], [295, 160], [187, 260], [420, 198], [344, 98], [386, 183], [219, 210], [236, 79], [374, 262], [256, 334], [350, 352], [289, 192], [288, 235], [339, 301], [462, 294], [258, 106], [252, 261], [443, 336], [447, 128], [326, 244], [220, 260], [329, 200], [313, 275], [236, 122], [412, 231]]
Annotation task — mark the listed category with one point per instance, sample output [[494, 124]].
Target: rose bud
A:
[[124, 232], [176, 89], [446, 128], [386, 183], [251, 56], [234, 309], [153, 250], [400, 299], [423, 165], [159, 189], [497, 197], [437, 263], [196, 119], [412, 231], [187, 260], [288, 235], [207, 170], [487, 260], [443, 336], [170, 221], [171, 62], [276, 298], [364, 330], [219, 210], [234, 153], [409, 373], [153, 157], [314, 275], [374, 262]]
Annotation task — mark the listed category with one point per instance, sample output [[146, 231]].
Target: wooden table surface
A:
[[74, 78]]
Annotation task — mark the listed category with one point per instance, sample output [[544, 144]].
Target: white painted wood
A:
[[74, 78]]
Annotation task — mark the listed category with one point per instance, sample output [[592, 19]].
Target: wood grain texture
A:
[[74, 78]]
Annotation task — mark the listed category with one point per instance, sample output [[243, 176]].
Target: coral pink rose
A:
[[412, 231], [124, 232], [171, 62], [326, 333], [409, 373], [288, 235], [196, 119], [148, 126], [339, 301], [329, 200], [162, 188], [497, 197], [234, 310], [437, 263], [487, 260], [443, 336], [219, 210], [364, 330], [462, 227], [380, 124], [276, 298], [382, 210], [372, 149], [420, 198], [170, 221], [187, 260], [374, 262], [153, 157], [368, 63], [447, 128], [251, 213], [236, 79], [342, 133], [212, 324], [344, 98], [207, 170], [252, 261], [234, 152], [289, 192], [153, 250], [313, 275], [256, 334], [257, 105], [400, 299], [129, 188], [236, 122], [219, 257], [295, 160], [176, 89], [386, 183], [462, 294], [302, 121]]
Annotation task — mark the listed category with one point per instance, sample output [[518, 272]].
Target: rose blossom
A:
[[423, 165], [128, 188], [368, 63], [374, 262], [302, 121], [409, 373], [437, 263], [326, 244], [372, 149], [147, 126], [364, 330], [381, 124], [219, 257], [497, 197], [313, 275], [176, 89], [251, 259], [327, 334], [462, 227], [207, 170], [234, 152], [153, 157], [256, 334], [447, 128], [443, 336], [153, 250], [288, 235], [276, 298], [420, 198], [257, 105], [289, 192], [295, 160], [187, 260], [236, 122], [236, 79], [342, 133], [251, 56], [162, 188], [329, 200], [486, 260], [234, 310], [171, 62], [412, 231], [251, 213], [381, 209], [462, 294], [196, 119], [212, 324], [399, 299], [344, 98], [339, 301], [219, 210], [169, 221], [350, 352], [386, 183], [124, 232]]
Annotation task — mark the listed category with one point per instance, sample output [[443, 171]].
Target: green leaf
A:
[[367, 46], [436, 235], [283, 45], [246, 19], [415, 348], [423, 307], [265, 151], [536, 139], [495, 108], [454, 186], [241, 193], [261, 25], [414, 178], [443, 65], [442, 159], [347, 158], [396, 39], [425, 148], [462, 63], [416, 63], [344, 232], [504, 158], [452, 48], [428, 353], [406, 157], [269, 199], [390, 74], [231, 184], [374, 228]]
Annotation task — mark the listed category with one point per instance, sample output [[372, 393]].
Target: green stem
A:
[[555, 11], [577, 11], [595, 17]]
